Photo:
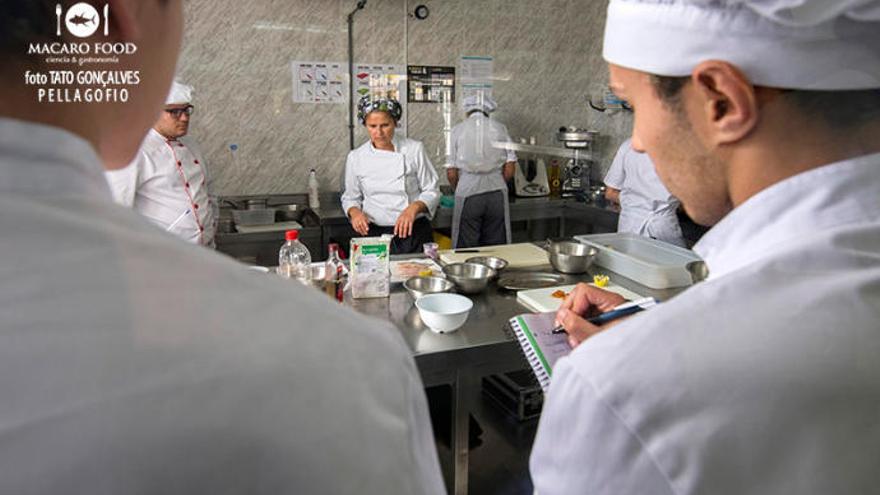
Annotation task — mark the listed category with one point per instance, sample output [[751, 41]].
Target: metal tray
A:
[[529, 280]]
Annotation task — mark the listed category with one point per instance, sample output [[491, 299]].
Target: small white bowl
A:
[[444, 313]]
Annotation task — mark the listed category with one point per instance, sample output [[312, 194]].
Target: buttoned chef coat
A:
[[765, 378], [383, 183], [168, 183], [131, 362], [646, 206]]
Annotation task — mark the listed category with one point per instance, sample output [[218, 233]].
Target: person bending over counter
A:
[[390, 184], [646, 206]]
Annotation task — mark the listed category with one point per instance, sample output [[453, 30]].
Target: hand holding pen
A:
[[583, 302]]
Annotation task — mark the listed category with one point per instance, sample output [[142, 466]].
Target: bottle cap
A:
[[333, 247], [291, 235]]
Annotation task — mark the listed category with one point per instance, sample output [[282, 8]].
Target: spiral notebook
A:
[[541, 347]]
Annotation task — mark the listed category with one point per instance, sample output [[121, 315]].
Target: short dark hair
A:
[[838, 109], [24, 22]]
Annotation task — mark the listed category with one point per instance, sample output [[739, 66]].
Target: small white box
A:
[[652, 263]]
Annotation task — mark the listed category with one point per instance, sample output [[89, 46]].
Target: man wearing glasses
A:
[[168, 182]]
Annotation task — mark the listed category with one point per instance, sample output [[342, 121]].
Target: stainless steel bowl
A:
[[570, 256], [421, 286], [493, 262], [469, 277], [698, 270]]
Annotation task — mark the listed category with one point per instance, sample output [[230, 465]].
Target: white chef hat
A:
[[478, 102], [180, 93], [791, 44]]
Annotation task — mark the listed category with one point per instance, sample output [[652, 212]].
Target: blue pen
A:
[[620, 311]]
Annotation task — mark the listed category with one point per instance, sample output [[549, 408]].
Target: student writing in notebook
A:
[[762, 117]]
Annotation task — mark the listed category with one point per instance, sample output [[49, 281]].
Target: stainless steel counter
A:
[[462, 358], [548, 217]]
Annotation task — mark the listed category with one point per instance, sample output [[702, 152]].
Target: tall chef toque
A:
[[179, 94], [791, 44]]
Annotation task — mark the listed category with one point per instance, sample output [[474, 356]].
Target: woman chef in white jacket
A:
[[390, 184], [479, 173]]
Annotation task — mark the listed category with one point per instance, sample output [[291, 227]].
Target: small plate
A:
[[529, 280]]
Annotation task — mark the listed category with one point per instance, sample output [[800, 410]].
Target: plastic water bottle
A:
[[314, 203], [294, 260]]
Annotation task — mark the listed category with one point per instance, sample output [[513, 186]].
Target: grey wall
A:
[[237, 54]]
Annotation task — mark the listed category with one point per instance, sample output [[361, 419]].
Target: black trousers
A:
[[422, 232], [482, 221]]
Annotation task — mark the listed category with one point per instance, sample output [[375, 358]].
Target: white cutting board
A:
[[540, 300], [517, 255]]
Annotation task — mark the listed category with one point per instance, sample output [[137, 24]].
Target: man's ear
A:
[[122, 17], [729, 104]]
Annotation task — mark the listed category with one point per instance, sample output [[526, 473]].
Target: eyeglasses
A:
[[177, 112]]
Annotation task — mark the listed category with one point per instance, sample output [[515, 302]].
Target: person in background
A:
[[479, 173], [132, 362], [168, 181], [646, 207], [390, 184], [762, 117]]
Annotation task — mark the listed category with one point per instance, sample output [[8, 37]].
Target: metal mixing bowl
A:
[[493, 262], [469, 277], [570, 256], [698, 270], [422, 286]]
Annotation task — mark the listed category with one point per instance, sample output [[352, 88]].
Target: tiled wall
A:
[[237, 54]]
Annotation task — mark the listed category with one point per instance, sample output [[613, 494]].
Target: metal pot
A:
[[570, 256]]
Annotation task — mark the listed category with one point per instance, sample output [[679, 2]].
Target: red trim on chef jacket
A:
[[185, 180]]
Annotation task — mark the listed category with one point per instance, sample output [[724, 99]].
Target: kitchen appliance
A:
[[576, 172], [530, 178]]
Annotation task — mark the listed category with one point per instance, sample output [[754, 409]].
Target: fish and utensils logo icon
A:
[[82, 19]]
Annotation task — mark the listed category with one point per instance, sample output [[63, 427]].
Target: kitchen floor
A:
[[500, 464]]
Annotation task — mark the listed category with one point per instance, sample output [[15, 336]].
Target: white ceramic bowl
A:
[[444, 313]]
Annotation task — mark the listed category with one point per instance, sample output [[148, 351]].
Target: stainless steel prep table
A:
[[462, 358], [574, 217]]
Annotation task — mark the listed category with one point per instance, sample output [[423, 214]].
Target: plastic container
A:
[[652, 263], [294, 259], [314, 203]]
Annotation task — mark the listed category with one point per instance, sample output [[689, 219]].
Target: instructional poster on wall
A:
[[431, 84], [319, 82], [327, 82], [476, 75]]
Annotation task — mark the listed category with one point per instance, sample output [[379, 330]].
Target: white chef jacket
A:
[[133, 363], [763, 379], [383, 183], [167, 181], [646, 206]]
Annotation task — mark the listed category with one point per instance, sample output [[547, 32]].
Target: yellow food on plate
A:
[[426, 272], [601, 280]]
